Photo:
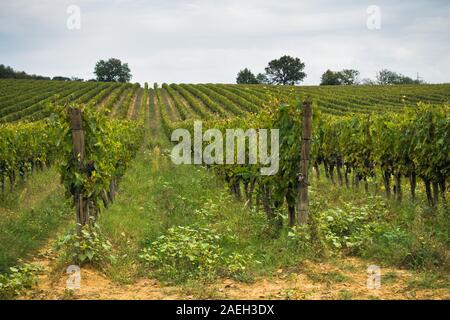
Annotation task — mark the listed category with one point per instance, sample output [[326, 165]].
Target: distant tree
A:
[[60, 78], [286, 71], [344, 77], [262, 78], [33, 76], [330, 78], [112, 70], [76, 79], [8, 72], [387, 77], [349, 76], [246, 77]]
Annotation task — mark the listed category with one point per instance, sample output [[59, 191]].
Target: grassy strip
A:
[[30, 216]]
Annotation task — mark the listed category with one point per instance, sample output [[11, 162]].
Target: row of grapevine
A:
[[206, 100], [34, 105], [378, 146], [22, 93], [411, 144], [165, 119], [95, 95], [245, 94], [25, 147], [225, 103], [143, 109], [235, 98], [184, 114], [193, 102], [33, 111], [44, 108], [115, 96], [27, 99], [121, 110], [172, 111], [109, 147], [360, 99], [21, 103]]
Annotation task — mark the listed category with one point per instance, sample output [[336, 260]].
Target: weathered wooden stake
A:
[[303, 199], [76, 123]]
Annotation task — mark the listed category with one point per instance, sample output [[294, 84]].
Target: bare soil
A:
[[345, 278]]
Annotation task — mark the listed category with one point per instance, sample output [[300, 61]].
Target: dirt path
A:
[[94, 285], [340, 279]]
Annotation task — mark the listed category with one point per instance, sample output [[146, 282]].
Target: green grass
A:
[[156, 195], [429, 280], [345, 295], [30, 216], [403, 234]]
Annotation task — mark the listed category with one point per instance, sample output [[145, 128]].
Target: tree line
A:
[[111, 70], [7, 72], [288, 70]]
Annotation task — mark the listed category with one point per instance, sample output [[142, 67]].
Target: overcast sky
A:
[[198, 41]]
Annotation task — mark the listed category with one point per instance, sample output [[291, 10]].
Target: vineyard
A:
[[379, 169]]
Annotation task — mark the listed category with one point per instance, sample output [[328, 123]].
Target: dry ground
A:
[[344, 278]]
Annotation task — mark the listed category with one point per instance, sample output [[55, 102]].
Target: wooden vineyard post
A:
[[303, 199], [76, 124]]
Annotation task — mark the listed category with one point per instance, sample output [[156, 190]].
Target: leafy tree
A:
[[349, 76], [246, 77], [330, 78], [387, 77], [262, 78], [344, 77], [286, 71], [112, 71], [60, 78], [8, 72]]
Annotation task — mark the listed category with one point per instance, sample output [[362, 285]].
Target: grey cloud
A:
[[209, 41]]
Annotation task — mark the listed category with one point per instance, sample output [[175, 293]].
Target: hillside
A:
[[378, 186]]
